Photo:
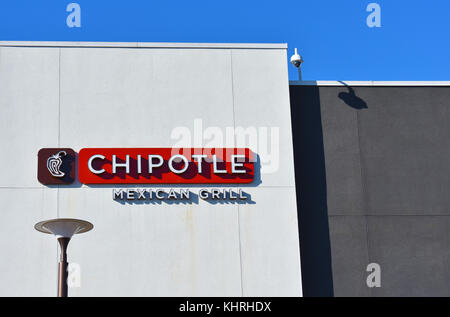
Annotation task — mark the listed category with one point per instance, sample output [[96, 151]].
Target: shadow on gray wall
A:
[[311, 190], [351, 99]]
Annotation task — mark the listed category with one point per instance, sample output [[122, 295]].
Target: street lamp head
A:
[[64, 227]]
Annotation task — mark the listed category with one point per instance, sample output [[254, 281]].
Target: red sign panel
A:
[[165, 166]]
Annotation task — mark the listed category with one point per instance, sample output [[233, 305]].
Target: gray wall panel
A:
[[341, 146], [383, 154], [350, 255], [414, 254], [405, 144]]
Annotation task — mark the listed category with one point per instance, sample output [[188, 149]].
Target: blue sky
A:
[[333, 37]]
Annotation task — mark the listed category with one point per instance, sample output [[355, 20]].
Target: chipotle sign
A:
[[160, 166], [56, 166]]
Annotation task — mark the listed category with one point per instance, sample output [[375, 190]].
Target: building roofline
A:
[[366, 83], [143, 45]]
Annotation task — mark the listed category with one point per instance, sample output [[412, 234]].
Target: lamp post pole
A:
[[63, 273]]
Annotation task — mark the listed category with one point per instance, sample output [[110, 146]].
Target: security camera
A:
[[296, 59]]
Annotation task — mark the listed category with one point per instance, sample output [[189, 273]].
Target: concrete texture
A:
[[350, 255], [176, 45], [28, 260], [135, 95], [29, 103], [258, 103], [158, 250], [263, 231], [413, 252], [342, 153], [118, 92], [378, 158], [405, 145]]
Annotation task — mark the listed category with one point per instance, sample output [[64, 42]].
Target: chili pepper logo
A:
[[56, 166], [54, 163]]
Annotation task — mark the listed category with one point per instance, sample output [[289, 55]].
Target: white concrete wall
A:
[[75, 96]]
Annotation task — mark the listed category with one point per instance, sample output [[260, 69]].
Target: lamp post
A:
[[63, 229]]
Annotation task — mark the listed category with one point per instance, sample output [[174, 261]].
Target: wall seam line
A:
[[59, 122], [59, 138], [234, 139], [151, 185], [364, 192]]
